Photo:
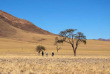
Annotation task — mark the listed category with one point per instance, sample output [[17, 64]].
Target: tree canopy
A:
[[72, 38], [40, 48]]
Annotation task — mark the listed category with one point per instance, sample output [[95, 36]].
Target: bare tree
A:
[[71, 38], [58, 43]]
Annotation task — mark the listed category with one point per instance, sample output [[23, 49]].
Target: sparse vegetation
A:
[[73, 39], [94, 58]]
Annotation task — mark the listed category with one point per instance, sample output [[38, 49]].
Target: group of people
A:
[[47, 53]]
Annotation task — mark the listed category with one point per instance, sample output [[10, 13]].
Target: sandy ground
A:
[[54, 65]]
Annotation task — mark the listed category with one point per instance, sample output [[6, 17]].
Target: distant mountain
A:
[[104, 39], [19, 29], [10, 24]]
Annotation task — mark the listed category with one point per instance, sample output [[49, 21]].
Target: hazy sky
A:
[[92, 17]]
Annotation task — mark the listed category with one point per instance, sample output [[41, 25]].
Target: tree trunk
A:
[[74, 52]]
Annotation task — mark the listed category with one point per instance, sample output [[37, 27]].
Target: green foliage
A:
[[40, 48], [81, 37]]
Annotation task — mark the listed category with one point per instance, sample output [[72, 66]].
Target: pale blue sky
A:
[[92, 17]]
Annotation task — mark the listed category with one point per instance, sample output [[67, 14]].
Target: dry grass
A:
[[93, 47], [20, 57], [54, 65]]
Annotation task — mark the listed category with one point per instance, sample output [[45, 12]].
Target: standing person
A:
[[46, 53], [52, 53], [42, 53]]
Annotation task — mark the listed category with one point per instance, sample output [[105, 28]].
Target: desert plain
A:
[[20, 57]]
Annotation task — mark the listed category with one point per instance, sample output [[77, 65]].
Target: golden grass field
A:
[[54, 65], [20, 57]]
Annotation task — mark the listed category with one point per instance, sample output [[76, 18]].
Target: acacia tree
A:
[[73, 39], [40, 48]]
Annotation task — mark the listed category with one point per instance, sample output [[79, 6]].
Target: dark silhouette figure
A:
[[42, 53], [52, 53]]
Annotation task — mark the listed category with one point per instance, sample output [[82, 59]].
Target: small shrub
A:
[[40, 48]]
